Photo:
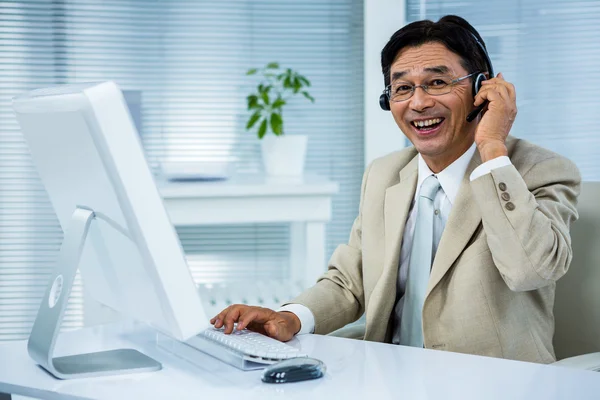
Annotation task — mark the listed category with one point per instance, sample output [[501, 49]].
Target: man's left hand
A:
[[497, 119]]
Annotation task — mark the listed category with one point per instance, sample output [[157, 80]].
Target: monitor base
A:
[[46, 327]]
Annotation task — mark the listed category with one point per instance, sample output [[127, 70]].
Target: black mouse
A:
[[294, 370]]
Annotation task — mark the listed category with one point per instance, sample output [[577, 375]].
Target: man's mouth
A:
[[426, 125]]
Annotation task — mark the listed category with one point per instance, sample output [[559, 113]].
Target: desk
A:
[[356, 370], [303, 202]]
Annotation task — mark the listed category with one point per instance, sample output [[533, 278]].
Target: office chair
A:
[[577, 303]]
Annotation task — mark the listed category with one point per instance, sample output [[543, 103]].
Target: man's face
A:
[[451, 135]]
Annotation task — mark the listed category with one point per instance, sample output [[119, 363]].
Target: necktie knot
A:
[[429, 187]]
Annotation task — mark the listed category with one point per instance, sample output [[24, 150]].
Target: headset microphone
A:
[[473, 114]]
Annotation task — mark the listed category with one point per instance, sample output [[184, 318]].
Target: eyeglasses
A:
[[400, 91]]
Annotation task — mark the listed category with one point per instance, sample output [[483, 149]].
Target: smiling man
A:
[[459, 239]]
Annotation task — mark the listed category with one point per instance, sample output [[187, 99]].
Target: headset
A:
[[384, 101]]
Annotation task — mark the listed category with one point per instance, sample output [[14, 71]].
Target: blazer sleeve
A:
[[527, 218], [338, 296]]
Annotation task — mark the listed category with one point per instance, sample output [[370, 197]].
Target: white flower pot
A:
[[284, 155]]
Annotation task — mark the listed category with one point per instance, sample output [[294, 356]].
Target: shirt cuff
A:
[[306, 317], [488, 166]]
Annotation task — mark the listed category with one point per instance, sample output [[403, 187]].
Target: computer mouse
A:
[[294, 370]]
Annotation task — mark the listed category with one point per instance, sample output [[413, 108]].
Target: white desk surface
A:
[[356, 370]]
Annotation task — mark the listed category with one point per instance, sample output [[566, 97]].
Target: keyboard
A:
[[243, 349]]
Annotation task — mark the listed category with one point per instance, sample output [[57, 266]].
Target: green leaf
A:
[[308, 96], [265, 96], [278, 103], [305, 81], [252, 101], [273, 65], [255, 117], [251, 71], [262, 129], [287, 82], [276, 124]]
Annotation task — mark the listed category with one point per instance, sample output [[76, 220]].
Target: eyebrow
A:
[[438, 69]]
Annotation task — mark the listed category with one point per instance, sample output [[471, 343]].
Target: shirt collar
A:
[[450, 177]]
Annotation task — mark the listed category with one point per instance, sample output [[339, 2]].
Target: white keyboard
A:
[[243, 349]]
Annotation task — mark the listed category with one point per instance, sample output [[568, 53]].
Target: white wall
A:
[[381, 19]]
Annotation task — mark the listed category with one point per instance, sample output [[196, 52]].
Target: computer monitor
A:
[[91, 162]]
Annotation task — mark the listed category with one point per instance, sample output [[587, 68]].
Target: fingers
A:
[[497, 89], [499, 80], [245, 316], [231, 318], [491, 93], [509, 87], [488, 93], [217, 320], [227, 317]]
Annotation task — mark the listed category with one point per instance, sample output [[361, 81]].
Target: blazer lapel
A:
[[398, 199], [462, 223]]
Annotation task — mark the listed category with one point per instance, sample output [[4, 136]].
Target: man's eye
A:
[[403, 88], [438, 83]]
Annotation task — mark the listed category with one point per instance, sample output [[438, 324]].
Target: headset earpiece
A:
[[384, 103], [477, 83], [476, 87]]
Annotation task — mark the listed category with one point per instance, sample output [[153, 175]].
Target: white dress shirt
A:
[[450, 180]]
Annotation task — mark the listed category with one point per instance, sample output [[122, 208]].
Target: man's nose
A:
[[421, 100]]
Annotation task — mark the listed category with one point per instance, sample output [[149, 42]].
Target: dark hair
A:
[[452, 31]]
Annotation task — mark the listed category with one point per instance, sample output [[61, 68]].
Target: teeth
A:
[[427, 122]]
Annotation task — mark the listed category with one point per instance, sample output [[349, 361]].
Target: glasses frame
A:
[[452, 83]]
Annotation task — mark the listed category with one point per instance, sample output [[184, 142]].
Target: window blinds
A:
[[549, 49], [187, 61]]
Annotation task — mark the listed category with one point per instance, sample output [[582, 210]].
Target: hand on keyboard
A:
[[252, 344], [278, 325]]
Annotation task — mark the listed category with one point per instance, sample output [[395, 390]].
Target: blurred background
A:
[[182, 65]]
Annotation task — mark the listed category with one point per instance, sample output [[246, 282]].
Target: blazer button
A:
[[510, 206], [502, 186], [505, 196]]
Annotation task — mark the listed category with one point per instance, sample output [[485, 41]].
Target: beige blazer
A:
[[491, 290]]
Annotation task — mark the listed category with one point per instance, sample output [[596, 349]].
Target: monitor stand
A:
[[46, 327]]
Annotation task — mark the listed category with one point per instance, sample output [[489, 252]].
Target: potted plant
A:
[[282, 154]]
